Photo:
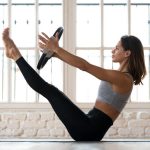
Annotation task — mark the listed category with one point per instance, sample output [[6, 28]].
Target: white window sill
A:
[[44, 106]]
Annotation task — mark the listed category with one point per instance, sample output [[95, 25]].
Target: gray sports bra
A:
[[107, 95]]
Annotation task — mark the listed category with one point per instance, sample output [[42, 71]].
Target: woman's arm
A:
[[115, 77], [111, 76], [71, 59], [51, 44]]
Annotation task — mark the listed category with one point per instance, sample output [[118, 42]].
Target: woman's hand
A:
[[48, 44]]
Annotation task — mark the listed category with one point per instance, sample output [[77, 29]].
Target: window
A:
[[91, 29], [27, 19], [88, 46], [99, 28]]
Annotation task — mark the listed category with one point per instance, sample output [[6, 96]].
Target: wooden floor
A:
[[71, 145]]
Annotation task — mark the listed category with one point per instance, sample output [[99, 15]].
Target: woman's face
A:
[[119, 54]]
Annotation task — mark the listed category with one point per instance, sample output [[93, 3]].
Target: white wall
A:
[[45, 124]]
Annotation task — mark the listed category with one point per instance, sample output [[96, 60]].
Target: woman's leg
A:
[[77, 122]]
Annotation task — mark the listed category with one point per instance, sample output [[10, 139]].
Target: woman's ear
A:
[[127, 53]]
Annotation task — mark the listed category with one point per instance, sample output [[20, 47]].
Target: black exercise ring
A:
[[46, 56]]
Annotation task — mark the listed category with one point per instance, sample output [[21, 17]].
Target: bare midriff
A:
[[107, 109]]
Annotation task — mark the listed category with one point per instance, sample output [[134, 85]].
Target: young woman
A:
[[113, 92]]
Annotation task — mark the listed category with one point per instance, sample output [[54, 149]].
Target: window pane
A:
[[50, 2], [23, 24], [115, 21], [140, 21], [3, 24], [86, 84], [23, 1], [1, 75], [139, 1], [21, 92], [141, 93], [88, 23], [50, 18], [3, 18]]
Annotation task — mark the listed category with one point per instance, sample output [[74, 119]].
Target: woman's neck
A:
[[123, 66]]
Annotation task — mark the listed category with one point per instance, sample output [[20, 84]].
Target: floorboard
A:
[[72, 145]]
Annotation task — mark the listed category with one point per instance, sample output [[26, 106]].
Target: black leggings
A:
[[81, 126]]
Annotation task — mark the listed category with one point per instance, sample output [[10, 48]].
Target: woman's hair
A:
[[136, 63]]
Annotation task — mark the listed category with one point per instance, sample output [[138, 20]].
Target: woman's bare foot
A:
[[10, 47]]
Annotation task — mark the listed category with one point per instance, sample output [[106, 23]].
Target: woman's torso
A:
[[107, 109], [112, 102]]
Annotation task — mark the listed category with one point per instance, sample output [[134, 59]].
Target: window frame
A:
[[69, 73]]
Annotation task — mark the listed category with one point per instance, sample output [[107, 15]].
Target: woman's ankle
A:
[[16, 55]]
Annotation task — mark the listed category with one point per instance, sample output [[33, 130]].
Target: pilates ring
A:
[[46, 56]]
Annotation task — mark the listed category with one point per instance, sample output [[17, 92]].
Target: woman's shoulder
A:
[[124, 83]]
